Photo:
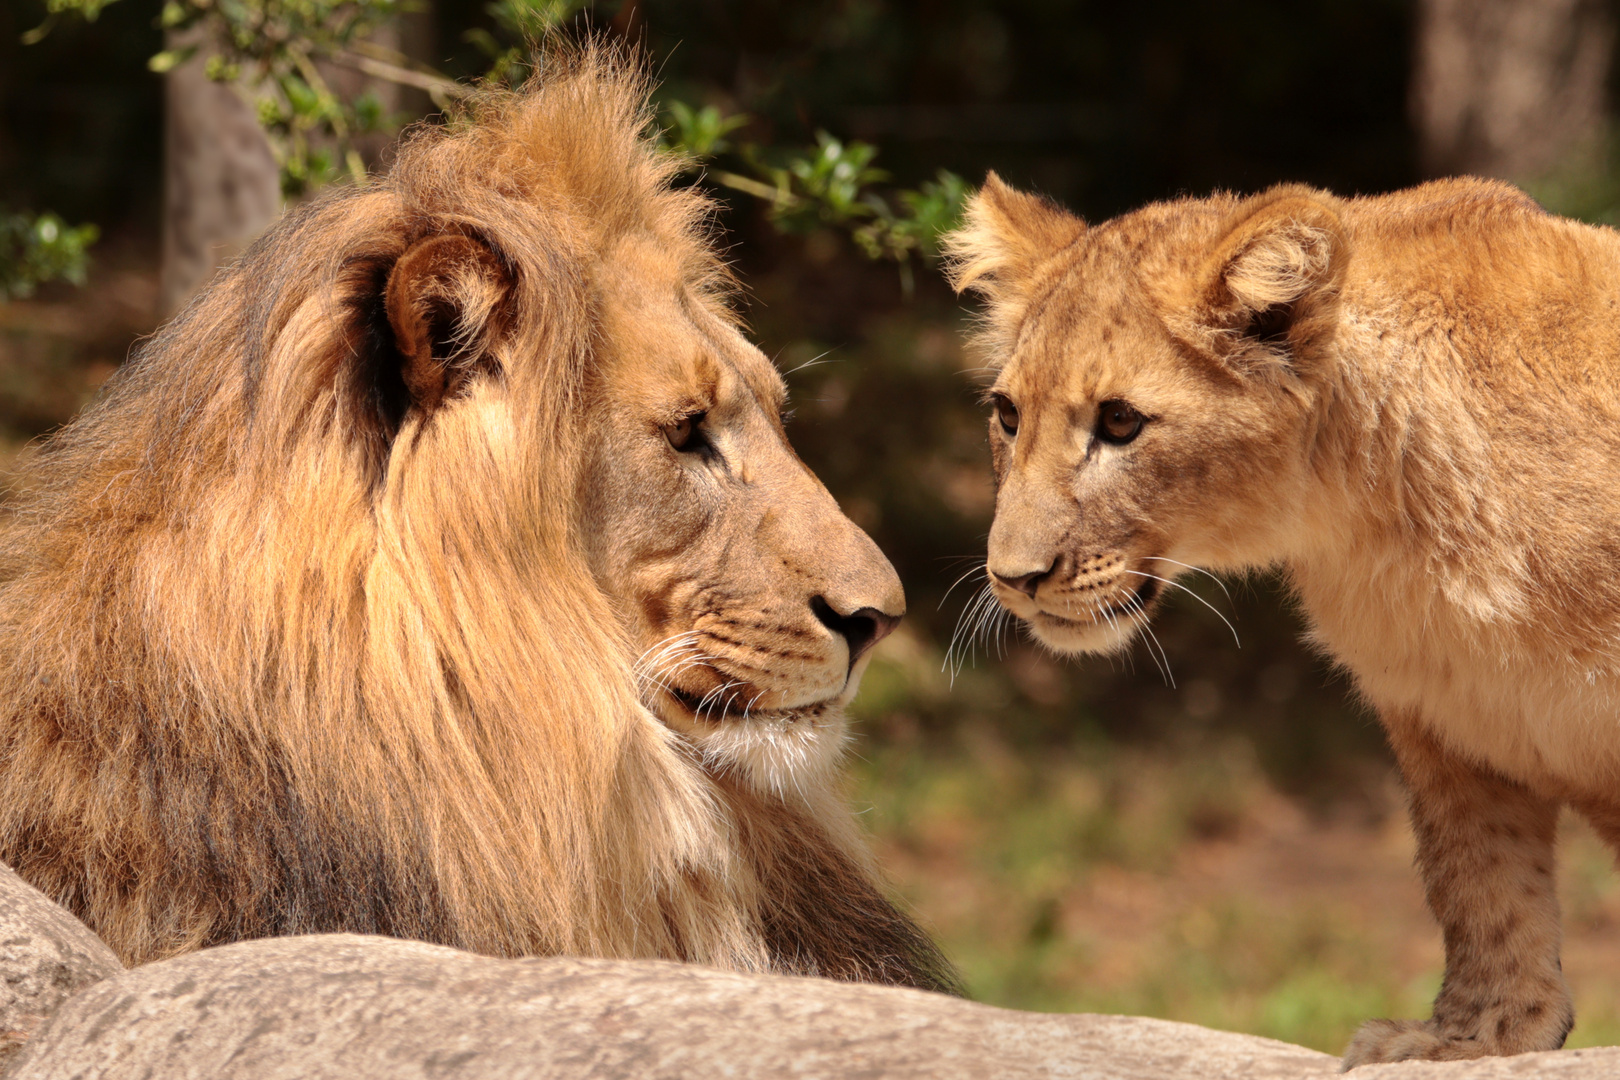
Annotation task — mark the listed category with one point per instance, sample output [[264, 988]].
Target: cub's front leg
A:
[[1485, 850]]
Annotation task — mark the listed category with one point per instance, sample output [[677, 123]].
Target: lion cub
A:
[[1409, 403]]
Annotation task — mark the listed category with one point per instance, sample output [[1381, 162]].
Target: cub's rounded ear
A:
[[444, 298], [1005, 234], [1267, 289]]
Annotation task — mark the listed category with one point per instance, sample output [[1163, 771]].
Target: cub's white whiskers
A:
[[1195, 596], [1195, 569]]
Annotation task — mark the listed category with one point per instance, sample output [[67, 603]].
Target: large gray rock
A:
[[361, 1008], [1597, 1064], [357, 1008], [45, 956]]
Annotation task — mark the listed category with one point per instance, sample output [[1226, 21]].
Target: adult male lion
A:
[[444, 572], [1407, 402]]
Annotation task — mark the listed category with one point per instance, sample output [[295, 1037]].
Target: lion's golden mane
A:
[[279, 656]]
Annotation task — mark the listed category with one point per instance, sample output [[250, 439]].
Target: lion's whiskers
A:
[[981, 568], [952, 659], [1098, 611], [1195, 596], [1194, 569], [662, 662], [715, 696], [1133, 604], [654, 655], [960, 650]]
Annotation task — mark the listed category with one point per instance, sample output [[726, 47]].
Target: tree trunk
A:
[[1510, 88], [221, 184]]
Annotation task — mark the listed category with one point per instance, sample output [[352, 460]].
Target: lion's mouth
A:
[[1139, 600], [723, 706], [1135, 605]]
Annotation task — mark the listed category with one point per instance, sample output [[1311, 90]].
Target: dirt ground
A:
[[1281, 923]]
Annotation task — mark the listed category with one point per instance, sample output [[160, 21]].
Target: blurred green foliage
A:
[[34, 250], [89, 10], [520, 23], [1587, 186], [832, 183], [1029, 844], [700, 132], [271, 48]]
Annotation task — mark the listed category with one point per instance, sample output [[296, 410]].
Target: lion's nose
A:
[[862, 629], [1025, 583]]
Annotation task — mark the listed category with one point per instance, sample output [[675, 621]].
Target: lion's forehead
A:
[[673, 344], [761, 378], [1093, 336]]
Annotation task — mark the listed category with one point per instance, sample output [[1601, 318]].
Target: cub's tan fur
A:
[[444, 572], [1409, 403]]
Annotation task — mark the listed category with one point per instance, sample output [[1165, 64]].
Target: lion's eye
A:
[[1118, 422], [685, 433], [1006, 413]]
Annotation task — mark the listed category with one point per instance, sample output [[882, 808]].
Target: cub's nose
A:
[[862, 629], [1025, 583]]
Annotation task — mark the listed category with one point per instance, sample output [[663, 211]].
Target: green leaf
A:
[[34, 251], [221, 70], [701, 133], [169, 59], [301, 98], [89, 9], [530, 20]]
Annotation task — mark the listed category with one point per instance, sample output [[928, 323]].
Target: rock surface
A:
[[1602, 1063], [356, 1007], [361, 1008], [46, 955]]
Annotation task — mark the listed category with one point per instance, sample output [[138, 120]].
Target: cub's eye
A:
[[686, 434], [1118, 422], [1006, 413]]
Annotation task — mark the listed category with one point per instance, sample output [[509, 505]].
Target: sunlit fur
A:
[[1409, 404], [289, 645]]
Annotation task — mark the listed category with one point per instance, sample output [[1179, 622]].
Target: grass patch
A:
[[1181, 886]]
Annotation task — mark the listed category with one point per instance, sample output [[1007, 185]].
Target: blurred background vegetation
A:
[[1222, 842]]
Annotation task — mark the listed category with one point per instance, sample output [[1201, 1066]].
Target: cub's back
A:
[[1522, 305]]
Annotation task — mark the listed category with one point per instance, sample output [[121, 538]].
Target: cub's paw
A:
[[1406, 1040]]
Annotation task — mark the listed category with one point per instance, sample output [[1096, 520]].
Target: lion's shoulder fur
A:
[[1473, 430], [278, 656]]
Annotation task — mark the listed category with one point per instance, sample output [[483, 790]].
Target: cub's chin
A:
[[1078, 637], [1107, 629]]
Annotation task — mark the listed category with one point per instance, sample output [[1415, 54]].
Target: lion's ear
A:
[[443, 297], [1005, 234], [1268, 285]]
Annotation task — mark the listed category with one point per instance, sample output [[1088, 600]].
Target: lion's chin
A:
[[1078, 637], [1111, 632], [782, 755], [777, 752]]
